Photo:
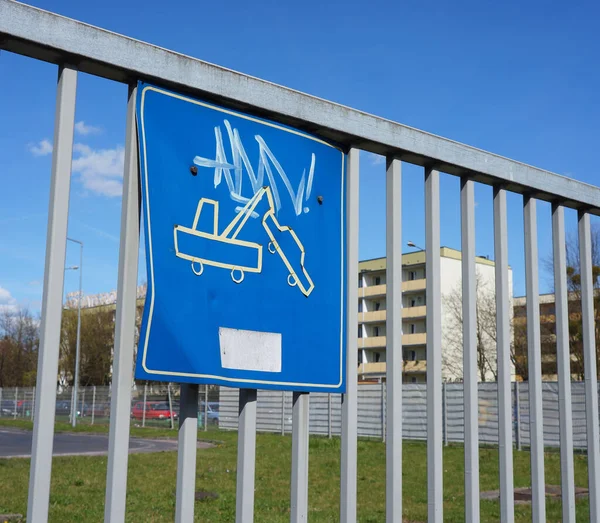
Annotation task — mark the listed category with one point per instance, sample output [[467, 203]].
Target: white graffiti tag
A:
[[267, 164]]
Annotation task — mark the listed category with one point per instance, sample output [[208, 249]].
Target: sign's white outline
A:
[[150, 254]]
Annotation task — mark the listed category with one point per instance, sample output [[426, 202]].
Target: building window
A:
[[413, 328], [375, 331], [413, 302], [360, 281], [412, 275], [377, 357], [360, 331], [377, 280], [413, 380], [360, 306], [377, 305]]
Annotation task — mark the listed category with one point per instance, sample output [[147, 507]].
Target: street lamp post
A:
[[414, 245], [78, 344]]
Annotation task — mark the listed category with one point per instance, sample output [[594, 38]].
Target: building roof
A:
[[417, 258]]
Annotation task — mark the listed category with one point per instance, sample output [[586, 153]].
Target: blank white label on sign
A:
[[250, 350]]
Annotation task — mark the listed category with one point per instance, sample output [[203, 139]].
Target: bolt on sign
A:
[[245, 249]]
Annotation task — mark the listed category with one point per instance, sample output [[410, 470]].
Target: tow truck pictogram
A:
[[204, 254]]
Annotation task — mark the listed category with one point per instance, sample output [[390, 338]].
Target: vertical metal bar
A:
[[534, 360], [78, 342], [93, 403], [170, 405], [382, 411], [445, 413], [205, 408], [503, 340], [518, 416], [73, 406], [120, 405], [590, 370], [16, 401], [186, 453], [434, 347], [82, 402], [469, 333], [329, 431], [144, 410], [56, 242], [563, 360], [350, 398], [283, 412], [0, 401], [393, 451], [32, 408], [299, 497], [246, 458]]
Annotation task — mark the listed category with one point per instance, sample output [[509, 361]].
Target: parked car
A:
[[154, 410], [100, 409], [63, 408], [212, 412]]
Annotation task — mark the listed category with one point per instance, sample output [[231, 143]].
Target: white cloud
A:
[[84, 130], [100, 170], [375, 159], [43, 148], [7, 302]]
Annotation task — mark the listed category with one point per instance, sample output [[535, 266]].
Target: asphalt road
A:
[[15, 443]]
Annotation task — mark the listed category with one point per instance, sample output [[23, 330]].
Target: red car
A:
[[154, 410]]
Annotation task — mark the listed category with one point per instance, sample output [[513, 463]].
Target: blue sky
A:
[[518, 79]]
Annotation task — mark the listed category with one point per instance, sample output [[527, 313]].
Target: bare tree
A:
[[574, 303], [452, 351], [19, 343]]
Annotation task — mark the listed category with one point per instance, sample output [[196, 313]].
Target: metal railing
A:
[[77, 47]]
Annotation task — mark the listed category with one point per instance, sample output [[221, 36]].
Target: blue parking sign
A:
[[245, 229]]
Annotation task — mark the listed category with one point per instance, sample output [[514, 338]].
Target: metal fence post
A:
[[329, 424], [205, 408], [16, 401], [0, 401], [144, 409], [434, 344], [534, 361], [120, 405], [445, 414], [382, 410], [246, 458], [299, 487], [93, 403], [283, 412], [563, 367], [518, 416], [32, 408], [56, 243], [507, 506], [394, 364], [589, 359], [350, 398], [186, 454], [83, 402], [469, 334], [170, 405]]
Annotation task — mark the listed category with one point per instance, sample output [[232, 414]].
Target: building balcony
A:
[[414, 339], [372, 368], [371, 316], [414, 285], [372, 291], [409, 313], [415, 366], [372, 342]]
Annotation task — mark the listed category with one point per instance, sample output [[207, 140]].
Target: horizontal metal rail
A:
[[53, 38]]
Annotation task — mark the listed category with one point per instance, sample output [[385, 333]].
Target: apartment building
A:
[[372, 315], [548, 335]]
